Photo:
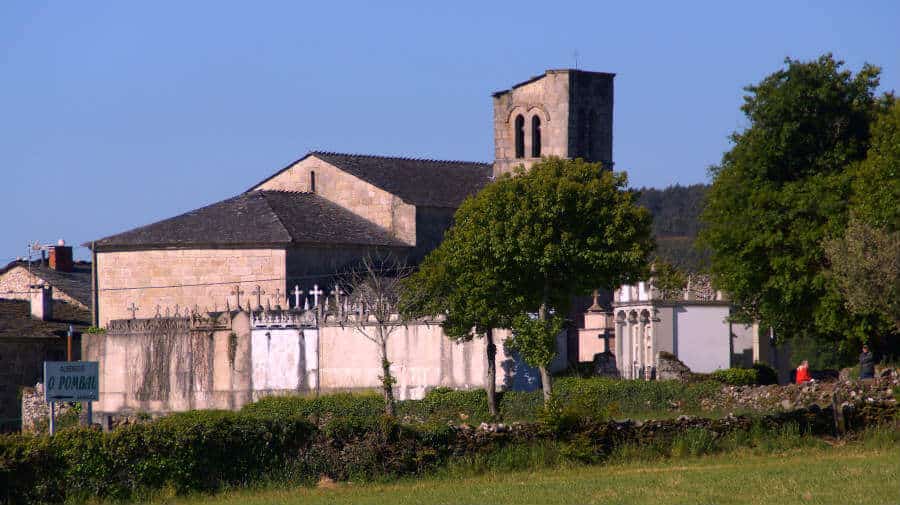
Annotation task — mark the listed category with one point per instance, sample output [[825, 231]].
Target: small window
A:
[[535, 137], [520, 136], [312, 182]]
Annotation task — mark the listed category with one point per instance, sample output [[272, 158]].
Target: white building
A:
[[693, 325]]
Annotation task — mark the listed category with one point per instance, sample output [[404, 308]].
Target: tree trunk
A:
[[546, 384], [490, 377], [387, 380]]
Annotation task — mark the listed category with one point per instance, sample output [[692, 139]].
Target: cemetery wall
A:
[[172, 364]]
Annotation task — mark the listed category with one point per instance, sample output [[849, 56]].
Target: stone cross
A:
[[596, 305], [305, 303], [157, 311], [337, 294], [258, 292], [606, 336], [277, 296], [315, 291], [297, 293], [236, 291], [132, 309]]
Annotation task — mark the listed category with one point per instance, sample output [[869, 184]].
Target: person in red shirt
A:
[[803, 372]]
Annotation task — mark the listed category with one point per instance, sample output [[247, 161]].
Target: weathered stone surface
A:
[[671, 368], [575, 110]]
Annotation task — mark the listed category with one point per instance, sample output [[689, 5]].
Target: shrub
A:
[[599, 394], [446, 404], [736, 376], [319, 409], [765, 375], [194, 451]]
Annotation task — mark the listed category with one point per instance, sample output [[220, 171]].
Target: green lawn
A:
[[844, 475]]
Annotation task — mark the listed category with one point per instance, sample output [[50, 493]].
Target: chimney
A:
[[61, 257], [42, 302]]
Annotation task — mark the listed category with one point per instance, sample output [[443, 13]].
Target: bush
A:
[[600, 394], [446, 404], [320, 409], [194, 451], [765, 375], [736, 376]]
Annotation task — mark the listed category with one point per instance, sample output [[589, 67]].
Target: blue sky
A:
[[117, 114]]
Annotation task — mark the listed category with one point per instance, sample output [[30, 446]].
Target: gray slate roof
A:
[[16, 320], [76, 283], [257, 218], [426, 183]]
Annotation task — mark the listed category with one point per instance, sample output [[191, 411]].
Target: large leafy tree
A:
[[783, 189], [527, 243], [865, 260]]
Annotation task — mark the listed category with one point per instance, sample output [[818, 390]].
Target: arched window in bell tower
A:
[[312, 181], [520, 136], [535, 137]]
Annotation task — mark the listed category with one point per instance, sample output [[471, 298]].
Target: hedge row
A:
[[600, 397], [209, 450], [197, 450]]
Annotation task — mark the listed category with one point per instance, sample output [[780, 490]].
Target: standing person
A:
[[866, 364], [803, 372]]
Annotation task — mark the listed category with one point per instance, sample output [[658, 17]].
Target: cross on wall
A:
[[258, 292], [237, 292], [133, 309], [297, 292], [316, 292]]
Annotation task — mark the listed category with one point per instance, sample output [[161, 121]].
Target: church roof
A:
[[257, 218], [420, 182]]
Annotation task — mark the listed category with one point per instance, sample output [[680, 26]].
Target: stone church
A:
[[326, 210]]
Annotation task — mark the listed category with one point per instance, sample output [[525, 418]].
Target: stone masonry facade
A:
[[14, 285], [362, 198], [185, 277], [575, 109]]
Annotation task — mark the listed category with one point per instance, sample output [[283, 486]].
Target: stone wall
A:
[[21, 365], [36, 410], [183, 277], [357, 196], [421, 356], [14, 285], [172, 364]]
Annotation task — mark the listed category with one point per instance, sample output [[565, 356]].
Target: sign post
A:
[[71, 381]]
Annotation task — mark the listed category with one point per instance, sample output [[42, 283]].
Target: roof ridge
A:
[[277, 217], [405, 158]]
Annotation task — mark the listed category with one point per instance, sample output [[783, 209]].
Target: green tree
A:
[[529, 242], [865, 260], [452, 283], [783, 189]]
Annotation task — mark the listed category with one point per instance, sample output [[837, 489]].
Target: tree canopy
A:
[[530, 241], [865, 260], [783, 189]]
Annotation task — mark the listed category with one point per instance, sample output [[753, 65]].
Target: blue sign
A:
[[71, 381]]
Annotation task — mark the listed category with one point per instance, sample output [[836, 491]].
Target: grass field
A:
[[840, 475]]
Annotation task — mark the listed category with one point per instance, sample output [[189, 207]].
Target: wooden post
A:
[[69, 343]]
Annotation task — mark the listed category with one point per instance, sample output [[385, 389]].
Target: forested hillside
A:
[[676, 221]]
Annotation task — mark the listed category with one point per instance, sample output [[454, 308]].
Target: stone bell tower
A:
[[565, 113]]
